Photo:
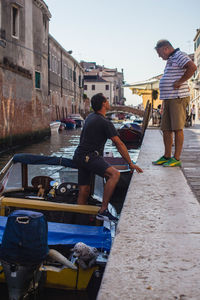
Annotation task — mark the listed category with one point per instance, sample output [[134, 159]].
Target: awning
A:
[[150, 84]]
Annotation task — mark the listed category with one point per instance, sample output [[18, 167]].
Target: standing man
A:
[[193, 114], [89, 155], [174, 92]]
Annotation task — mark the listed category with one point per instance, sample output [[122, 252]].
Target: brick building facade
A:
[[39, 80]]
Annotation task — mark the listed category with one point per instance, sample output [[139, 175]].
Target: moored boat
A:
[[54, 126], [78, 119], [69, 122], [68, 223], [132, 133]]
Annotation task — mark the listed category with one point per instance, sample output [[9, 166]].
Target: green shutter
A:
[[37, 80]]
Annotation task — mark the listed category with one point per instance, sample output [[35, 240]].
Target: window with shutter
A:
[[37, 80], [15, 21]]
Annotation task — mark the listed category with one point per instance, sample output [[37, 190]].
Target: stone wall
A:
[[33, 91]]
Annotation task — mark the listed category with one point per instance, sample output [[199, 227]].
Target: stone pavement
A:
[[156, 251]]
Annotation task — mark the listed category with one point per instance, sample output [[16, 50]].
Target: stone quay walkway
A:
[[156, 251], [191, 158]]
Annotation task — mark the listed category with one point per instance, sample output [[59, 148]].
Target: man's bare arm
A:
[[190, 69], [124, 153]]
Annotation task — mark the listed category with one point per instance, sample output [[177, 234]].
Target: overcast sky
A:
[[122, 34]]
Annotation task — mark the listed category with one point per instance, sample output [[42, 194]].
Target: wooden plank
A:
[[47, 205]]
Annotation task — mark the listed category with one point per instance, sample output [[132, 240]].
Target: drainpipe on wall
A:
[[75, 66], [48, 69]]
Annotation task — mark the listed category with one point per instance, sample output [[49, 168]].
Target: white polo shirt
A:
[[174, 70]]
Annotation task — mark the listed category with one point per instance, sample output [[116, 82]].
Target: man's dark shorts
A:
[[88, 165]]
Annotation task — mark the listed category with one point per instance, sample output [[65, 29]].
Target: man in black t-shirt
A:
[[89, 155]]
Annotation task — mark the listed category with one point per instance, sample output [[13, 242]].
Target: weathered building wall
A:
[[40, 81], [65, 81], [23, 108], [16, 104]]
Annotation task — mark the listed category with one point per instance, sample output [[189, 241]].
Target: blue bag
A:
[[25, 238]]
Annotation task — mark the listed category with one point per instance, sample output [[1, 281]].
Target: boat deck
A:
[[156, 252]]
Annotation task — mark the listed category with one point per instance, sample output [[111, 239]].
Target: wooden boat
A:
[[68, 223], [133, 134]]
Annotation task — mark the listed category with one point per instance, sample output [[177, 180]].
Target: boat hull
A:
[[119, 194], [130, 136], [70, 125], [54, 126]]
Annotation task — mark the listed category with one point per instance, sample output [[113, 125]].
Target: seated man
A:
[[89, 155]]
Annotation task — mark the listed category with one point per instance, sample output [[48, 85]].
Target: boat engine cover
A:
[[25, 238]]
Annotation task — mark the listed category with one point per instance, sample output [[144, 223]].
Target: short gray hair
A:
[[162, 43]]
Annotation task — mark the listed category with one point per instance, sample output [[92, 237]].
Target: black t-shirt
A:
[[97, 129]]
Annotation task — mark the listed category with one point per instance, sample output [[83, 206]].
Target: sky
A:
[[122, 33]]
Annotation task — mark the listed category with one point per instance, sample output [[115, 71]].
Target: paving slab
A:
[[156, 251]]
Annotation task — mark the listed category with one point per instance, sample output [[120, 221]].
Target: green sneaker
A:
[[172, 162], [160, 161]]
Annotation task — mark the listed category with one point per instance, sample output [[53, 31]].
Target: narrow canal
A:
[[59, 144]]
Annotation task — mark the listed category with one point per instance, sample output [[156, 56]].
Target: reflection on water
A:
[[63, 144]]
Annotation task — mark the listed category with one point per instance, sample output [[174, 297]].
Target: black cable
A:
[[77, 277]]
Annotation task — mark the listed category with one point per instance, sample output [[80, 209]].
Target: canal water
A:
[[59, 144], [62, 144]]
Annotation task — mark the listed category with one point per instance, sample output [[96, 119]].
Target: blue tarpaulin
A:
[[70, 234]]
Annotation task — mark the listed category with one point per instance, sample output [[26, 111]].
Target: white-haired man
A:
[[174, 92]]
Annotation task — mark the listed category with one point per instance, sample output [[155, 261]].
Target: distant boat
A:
[[132, 133], [54, 126], [69, 122], [132, 125], [136, 120], [78, 119], [62, 126]]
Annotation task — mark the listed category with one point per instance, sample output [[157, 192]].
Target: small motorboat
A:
[[54, 126], [132, 133], [37, 183], [78, 119], [69, 122]]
